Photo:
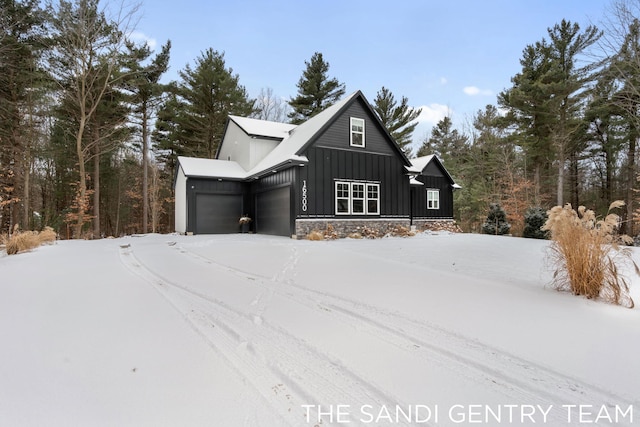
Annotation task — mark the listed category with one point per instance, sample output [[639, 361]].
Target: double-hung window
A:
[[357, 198], [357, 132], [373, 199], [433, 199], [343, 199]]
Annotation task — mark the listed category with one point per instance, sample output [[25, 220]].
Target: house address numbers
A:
[[304, 195]]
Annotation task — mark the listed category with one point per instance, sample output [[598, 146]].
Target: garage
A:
[[273, 212], [217, 213]]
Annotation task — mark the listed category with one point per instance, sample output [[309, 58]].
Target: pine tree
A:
[[534, 219], [21, 44], [397, 119], [316, 91], [145, 90], [496, 222], [545, 101], [206, 96], [445, 142]]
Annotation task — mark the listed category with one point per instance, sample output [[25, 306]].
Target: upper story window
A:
[[357, 132], [433, 199]]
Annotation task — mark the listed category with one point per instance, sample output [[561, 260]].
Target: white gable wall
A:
[[235, 146], [239, 147], [259, 148], [181, 202]]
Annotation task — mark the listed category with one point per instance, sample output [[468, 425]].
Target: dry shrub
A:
[[48, 235], [315, 235], [587, 252], [330, 233], [355, 235], [22, 241], [369, 232], [400, 231]]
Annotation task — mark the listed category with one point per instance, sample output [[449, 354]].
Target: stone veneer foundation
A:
[[344, 227]]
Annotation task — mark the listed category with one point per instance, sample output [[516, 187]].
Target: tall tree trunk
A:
[[145, 170], [81, 194], [536, 185], [26, 206], [560, 189], [573, 179], [96, 186], [631, 179]]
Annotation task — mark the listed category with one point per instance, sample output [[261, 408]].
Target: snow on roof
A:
[[211, 168], [421, 162], [288, 149], [263, 127]]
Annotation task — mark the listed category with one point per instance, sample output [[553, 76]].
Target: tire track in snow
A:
[[522, 379], [270, 358]]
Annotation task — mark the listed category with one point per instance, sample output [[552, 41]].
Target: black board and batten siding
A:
[[435, 180], [337, 136], [326, 166], [332, 158], [214, 206], [272, 202]]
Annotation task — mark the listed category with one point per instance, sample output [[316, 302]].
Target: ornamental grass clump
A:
[[588, 253], [21, 241]]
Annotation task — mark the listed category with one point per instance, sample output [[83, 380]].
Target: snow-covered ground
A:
[[249, 330]]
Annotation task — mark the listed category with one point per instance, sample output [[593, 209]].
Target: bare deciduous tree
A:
[[271, 107], [87, 48]]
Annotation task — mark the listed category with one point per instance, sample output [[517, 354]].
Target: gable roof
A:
[[263, 128], [290, 148], [421, 163], [294, 141]]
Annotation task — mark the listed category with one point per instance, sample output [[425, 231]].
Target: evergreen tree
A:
[[527, 105], [316, 91], [445, 142], [606, 133], [397, 119], [21, 44], [545, 100], [496, 222], [534, 219], [206, 96], [145, 90], [167, 132], [624, 66]]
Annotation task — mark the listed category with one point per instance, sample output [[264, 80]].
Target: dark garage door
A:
[[273, 212], [217, 213]]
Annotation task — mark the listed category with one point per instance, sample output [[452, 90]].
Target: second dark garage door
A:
[[273, 212], [217, 213]]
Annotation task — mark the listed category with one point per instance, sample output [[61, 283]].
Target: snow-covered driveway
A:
[[257, 330]]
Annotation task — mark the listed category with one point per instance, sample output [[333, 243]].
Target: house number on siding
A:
[[304, 195]]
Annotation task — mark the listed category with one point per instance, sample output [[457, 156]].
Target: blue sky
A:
[[448, 57]]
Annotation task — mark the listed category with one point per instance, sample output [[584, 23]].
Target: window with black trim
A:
[[357, 132], [433, 199], [357, 198]]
